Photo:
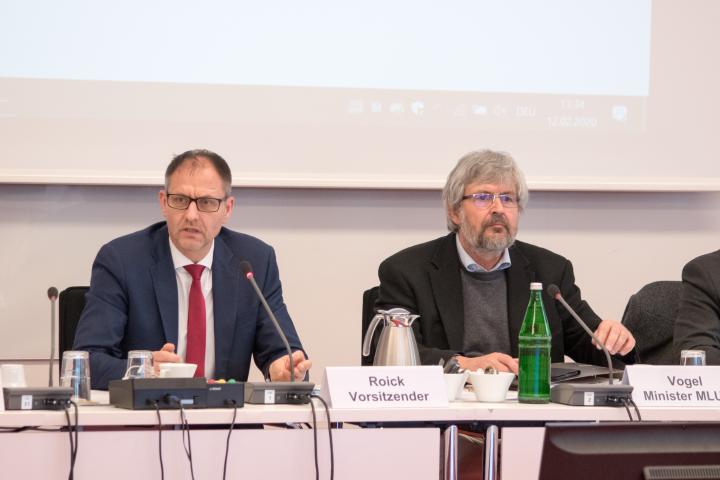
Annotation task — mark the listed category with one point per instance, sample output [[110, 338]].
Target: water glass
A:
[[75, 373], [139, 364], [692, 357]]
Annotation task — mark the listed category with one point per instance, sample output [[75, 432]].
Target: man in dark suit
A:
[[176, 287], [471, 287], [698, 322]]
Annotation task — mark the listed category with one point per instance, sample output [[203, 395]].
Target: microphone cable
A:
[[28, 428], [162, 466], [315, 448], [627, 402], [227, 442], [314, 427], [627, 409], [637, 410], [630, 401], [330, 435], [185, 427], [73, 441]]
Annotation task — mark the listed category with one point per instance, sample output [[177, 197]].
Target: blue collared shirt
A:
[[472, 266]]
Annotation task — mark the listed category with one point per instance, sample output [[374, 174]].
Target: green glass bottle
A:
[[534, 351]]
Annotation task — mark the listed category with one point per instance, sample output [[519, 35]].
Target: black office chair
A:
[[71, 305], [650, 316], [370, 296]]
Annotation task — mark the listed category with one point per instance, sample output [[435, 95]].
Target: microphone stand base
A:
[[273, 393], [591, 394]]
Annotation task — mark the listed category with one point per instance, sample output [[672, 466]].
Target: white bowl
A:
[[454, 383], [491, 387], [177, 370]]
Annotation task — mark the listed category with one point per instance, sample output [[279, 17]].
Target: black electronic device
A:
[[37, 398], [225, 395], [170, 393], [586, 394], [578, 372], [590, 394], [278, 392], [573, 372], [631, 451]]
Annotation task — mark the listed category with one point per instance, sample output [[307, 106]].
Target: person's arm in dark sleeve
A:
[[268, 344], [101, 327], [396, 291], [578, 344]]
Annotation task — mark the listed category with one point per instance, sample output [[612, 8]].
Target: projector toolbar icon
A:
[[479, 110], [620, 113], [417, 107], [396, 107]]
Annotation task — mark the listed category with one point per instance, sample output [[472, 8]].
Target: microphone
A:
[[554, 292], [247, 270], [52, 294], [587, 394], [275, 392]]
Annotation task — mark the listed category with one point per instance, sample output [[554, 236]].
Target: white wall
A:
[[329, 244]]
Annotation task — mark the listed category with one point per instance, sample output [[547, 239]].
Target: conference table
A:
[[275, 441]]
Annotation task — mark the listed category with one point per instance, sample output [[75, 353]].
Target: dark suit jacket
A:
[[698, 323], [132, 304], [426, 279]]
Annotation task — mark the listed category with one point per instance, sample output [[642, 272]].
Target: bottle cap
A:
[[536, 286]]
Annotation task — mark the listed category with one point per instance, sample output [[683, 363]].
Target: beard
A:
[[494, 234]]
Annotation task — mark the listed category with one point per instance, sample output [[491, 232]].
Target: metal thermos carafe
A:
[[397, 344]]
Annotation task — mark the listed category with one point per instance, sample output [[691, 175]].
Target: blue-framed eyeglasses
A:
[[486, 199]]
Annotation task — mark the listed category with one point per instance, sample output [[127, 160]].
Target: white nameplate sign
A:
[[674, 385], [384, 387]]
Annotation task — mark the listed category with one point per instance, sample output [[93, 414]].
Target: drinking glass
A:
[[75, 373], [139, 364], [692, 357]]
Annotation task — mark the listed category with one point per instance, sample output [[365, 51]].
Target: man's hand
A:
[[615, 336], [499, 361], [165, 355], [280, 369]]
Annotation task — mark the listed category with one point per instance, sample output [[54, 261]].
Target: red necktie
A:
[[196, 321]]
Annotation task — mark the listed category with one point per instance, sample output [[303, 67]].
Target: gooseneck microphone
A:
[[554, 292], [275, 392], [588, 394], [247, 270], [52, 294]]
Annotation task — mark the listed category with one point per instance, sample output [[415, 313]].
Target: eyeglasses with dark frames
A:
[[486, 199], [203, 204]]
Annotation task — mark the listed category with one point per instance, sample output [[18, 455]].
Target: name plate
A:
[[674, 385], [384, 387]]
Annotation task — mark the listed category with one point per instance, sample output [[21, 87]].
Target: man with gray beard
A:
[[471, 287]]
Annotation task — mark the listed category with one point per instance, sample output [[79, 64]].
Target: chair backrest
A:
[[370, 296], [71, 304], [650, 316]]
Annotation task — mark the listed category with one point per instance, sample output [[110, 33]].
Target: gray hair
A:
[[484, 166]]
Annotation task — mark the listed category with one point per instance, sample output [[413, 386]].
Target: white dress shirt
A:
[[184, 281]]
